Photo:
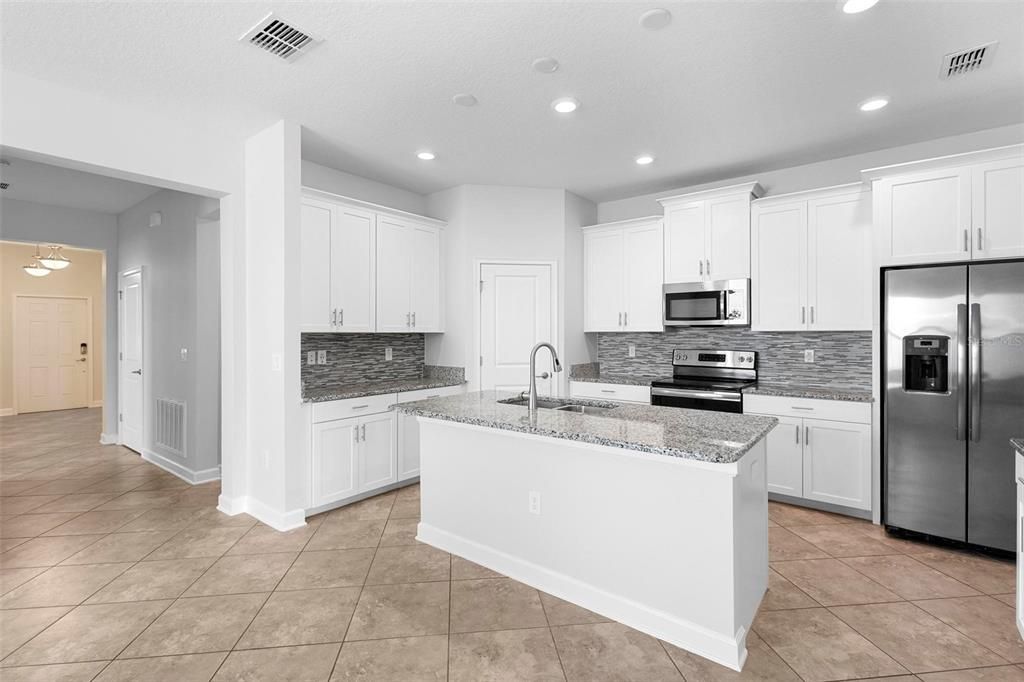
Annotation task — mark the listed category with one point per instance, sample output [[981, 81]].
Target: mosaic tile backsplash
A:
[[841, 358], [359, 358]]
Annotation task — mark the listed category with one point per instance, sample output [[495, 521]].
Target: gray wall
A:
[[339, 182], [359, 358]]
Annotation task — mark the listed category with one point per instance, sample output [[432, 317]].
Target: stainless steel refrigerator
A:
[[954, 396]]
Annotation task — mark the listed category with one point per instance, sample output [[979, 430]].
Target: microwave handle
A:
[[723, 304]]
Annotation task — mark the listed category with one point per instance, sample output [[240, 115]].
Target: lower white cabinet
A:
[[409, 430], [786, 458], [622, 393], [377, 449]]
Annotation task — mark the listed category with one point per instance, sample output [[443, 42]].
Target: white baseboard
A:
[[185, 474], [232, 506], [109, 438], [728, 651], [6, 411], [96, 403], [280, 521]]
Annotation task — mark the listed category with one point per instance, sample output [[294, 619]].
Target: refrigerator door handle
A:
[[961, 371], [975, 372]]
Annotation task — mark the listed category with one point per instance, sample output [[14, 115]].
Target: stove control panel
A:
[[728, 359]]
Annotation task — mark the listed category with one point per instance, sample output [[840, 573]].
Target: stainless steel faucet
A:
[[557, 366]]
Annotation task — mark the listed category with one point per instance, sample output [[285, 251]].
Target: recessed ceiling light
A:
[[565, 105], [644, 160], [873, 104], [545, 65], [857, 6], [660, 18], [464, 99], [426, 156]]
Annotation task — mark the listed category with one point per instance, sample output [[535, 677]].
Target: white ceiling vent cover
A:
[[965, 61], [280, 38]]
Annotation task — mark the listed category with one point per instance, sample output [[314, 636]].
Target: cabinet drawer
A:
[[835, 410], [423, 394], [619, 392], [352, 407]]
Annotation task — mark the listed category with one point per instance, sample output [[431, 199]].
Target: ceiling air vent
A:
[[280, 38], [4, 185], [965, 61]]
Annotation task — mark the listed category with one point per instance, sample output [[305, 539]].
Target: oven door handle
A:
[[704, 395]]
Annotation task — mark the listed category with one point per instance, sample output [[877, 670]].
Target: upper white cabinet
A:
[[623, 276], [811, 261], [366, 268], [707, 234], [957, 208]]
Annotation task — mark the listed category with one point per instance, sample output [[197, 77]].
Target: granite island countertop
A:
[[837, 392], [1018, 443], [717, 437], [362, 390]]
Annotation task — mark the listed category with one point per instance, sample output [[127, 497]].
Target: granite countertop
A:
[[362, 390], [1018, 443], [614, 379], [717, 437], [837, 392]]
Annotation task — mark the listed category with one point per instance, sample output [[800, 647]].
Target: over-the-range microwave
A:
[[707, 304]]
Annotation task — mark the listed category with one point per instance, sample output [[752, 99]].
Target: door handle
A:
[[979, 240], [708, 268], [796, 430], [414, 319], [701, 264], [82, 359], [341, 317], [967, 240], [363, 429], [408, 317], [625, 319], [975, 372], [543, 375], [803, 314], [812, 314], [620, 319], [137, 371], [807, 435], [961, 371], [334, 317]]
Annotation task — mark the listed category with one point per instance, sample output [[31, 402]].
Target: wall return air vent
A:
[[280, 38], [966, 61]]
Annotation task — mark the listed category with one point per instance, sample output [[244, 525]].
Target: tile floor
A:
[[112, 569]]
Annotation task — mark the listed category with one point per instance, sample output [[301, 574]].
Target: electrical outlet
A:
[[535, 502], [275, 362], [321, 357], [388, 355], [808, 356], [632, 350], [311, 357]]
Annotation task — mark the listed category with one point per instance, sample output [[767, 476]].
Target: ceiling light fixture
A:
[[565, 105], [644, 160], [657, 19], [858, 6], [35, 268], [545, 65], [874, 104], [426, 156], [464, 99], [55, 260]]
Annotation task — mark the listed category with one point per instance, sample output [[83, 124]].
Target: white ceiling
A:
[[728, 88], [46, 184]]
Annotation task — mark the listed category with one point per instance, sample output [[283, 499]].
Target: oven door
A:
[[697, 304], [697, 399]]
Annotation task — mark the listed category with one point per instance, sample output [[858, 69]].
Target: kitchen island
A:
[[652, 516]]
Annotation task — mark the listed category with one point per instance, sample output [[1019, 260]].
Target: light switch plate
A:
[[808, 356], [388, 354], [321, 357], [632, 350], [311, 357], [535, 502]]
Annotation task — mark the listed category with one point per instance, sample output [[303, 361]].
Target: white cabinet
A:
[[409, 430], [408, 276], [707, 234], [811, 261], [786, 458], [334, 461], [623, 276], [963, 207], [1018, 458], [377, 450], [621, 393], [315, 248]]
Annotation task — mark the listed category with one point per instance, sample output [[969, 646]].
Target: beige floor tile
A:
[[412, 564], [166, 579], [406, 610], [789, 515], [561, 612], [62, 586], [403, 659], [504, 656], [121, 547], [831, 582], [262, 539], [45, 551], [143, 499], [409, 492], [839, 541], [406, 509], [58, 672], [163, 519], [782, 594], [17, 627], [991, 576], [199, 542], [238, 574], [378, 507], [62, 486], [96, 522], [77, 502], [12, 577], [339, 532], [1010, 598], [12, 488], [762, 664], [197, 625], [285, 664], [334, 568], [9, 506], [302, 617], [920, 642], [463, 569], [495, 604], [819, 646], [783, 545], [88, 633], [908, 577], [399, 532], [987, 621], [906, 545], [32, 525], [184, 668], [610, 652], [1007, 673]]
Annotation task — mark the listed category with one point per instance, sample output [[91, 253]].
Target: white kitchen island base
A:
[[676, 548]]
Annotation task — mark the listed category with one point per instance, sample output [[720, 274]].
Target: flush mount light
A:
[[426, 156], [656, 19], [545, 65], [644, 160], [35, 268], [565, 105], [464, 99], [55, 260], [857, 6], [874, 104]]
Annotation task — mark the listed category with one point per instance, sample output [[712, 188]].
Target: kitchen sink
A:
[[560, 405], [584, 409]]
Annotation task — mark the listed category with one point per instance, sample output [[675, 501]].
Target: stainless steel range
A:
[[707, 380]]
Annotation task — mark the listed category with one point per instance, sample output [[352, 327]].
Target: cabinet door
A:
[[839, 263], [408, 447], [604, 296], [685, 229], [377, 451], [425, 293], [727, 249], [1020, 554], [779, 259], [927, 216], [315, 258], [394, 264], [785, 457], [334, 461], [837, 463], [643, 278], [352, 280], [998, 209]]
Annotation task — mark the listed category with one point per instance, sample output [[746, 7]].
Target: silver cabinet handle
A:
[[625, 319], [364, 432], [334, 317], [961, 371], [812, 314], [620, 319], [967, 242], [137, 371], [341, 317], [701, 264], [607, 390], [807, 435], [796, 430], [803, 314], [359, 407], [708, 268], [408, 318], [797, 407], [414, 319], [975, 371], [979, 240]]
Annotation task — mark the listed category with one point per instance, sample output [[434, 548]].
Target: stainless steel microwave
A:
[[707, 304]]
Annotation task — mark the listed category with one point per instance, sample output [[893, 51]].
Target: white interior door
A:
[[515, 314], [131, 396], [52, 371]]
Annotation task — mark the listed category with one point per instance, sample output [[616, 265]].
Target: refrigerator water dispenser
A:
[[926, 364]]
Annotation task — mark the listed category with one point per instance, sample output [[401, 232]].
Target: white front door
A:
[[515, 314], [53, 359], [131, 380]]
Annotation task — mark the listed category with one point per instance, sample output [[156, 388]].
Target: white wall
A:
[[823, 174], [30, 222], [339, 182], [579, 347]]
